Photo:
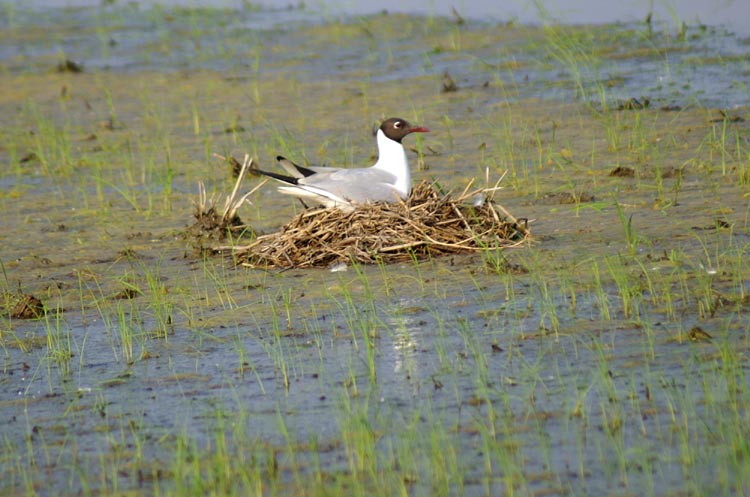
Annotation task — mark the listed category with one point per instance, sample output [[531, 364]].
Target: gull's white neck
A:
[[392, 158]]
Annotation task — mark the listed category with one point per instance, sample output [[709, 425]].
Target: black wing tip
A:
[[279, 177]]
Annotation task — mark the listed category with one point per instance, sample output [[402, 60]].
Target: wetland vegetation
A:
[[608, 355]]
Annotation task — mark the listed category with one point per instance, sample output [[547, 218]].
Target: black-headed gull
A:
[[386, 181]]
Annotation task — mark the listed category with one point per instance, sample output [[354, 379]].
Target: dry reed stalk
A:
[[210, 223]]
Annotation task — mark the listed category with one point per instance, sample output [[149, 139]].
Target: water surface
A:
[[610, 357]]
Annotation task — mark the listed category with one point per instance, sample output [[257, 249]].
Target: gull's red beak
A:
[[419, 129]]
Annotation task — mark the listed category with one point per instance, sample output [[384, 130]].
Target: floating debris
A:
[[670, 108], [634, 104], [27, 307], [70, 66], [29, 157], [234, 128], [129, 292], [622, 172], [717, 225], [565, 198], [696, 334], [725, 116], [449, 85]]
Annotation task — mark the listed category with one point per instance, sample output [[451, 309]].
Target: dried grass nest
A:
[[428, 223]]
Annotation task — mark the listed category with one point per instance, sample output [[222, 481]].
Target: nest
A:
[[427, 224]]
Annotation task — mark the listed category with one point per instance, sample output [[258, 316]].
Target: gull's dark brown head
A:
[[396, 128]]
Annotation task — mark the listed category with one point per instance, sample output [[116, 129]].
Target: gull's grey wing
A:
[[354, 185]]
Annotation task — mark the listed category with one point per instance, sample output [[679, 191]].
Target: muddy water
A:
[[614, 362]]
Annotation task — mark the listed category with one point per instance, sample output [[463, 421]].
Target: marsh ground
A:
[[615, 362]]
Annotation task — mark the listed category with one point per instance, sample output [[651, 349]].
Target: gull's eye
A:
[[397, 125]]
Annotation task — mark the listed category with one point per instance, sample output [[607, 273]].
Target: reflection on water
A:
[[405, 332]]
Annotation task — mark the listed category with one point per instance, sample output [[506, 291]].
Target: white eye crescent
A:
[[397, 124]]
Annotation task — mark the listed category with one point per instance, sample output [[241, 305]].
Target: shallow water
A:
[[583, 374], [673, 65]]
